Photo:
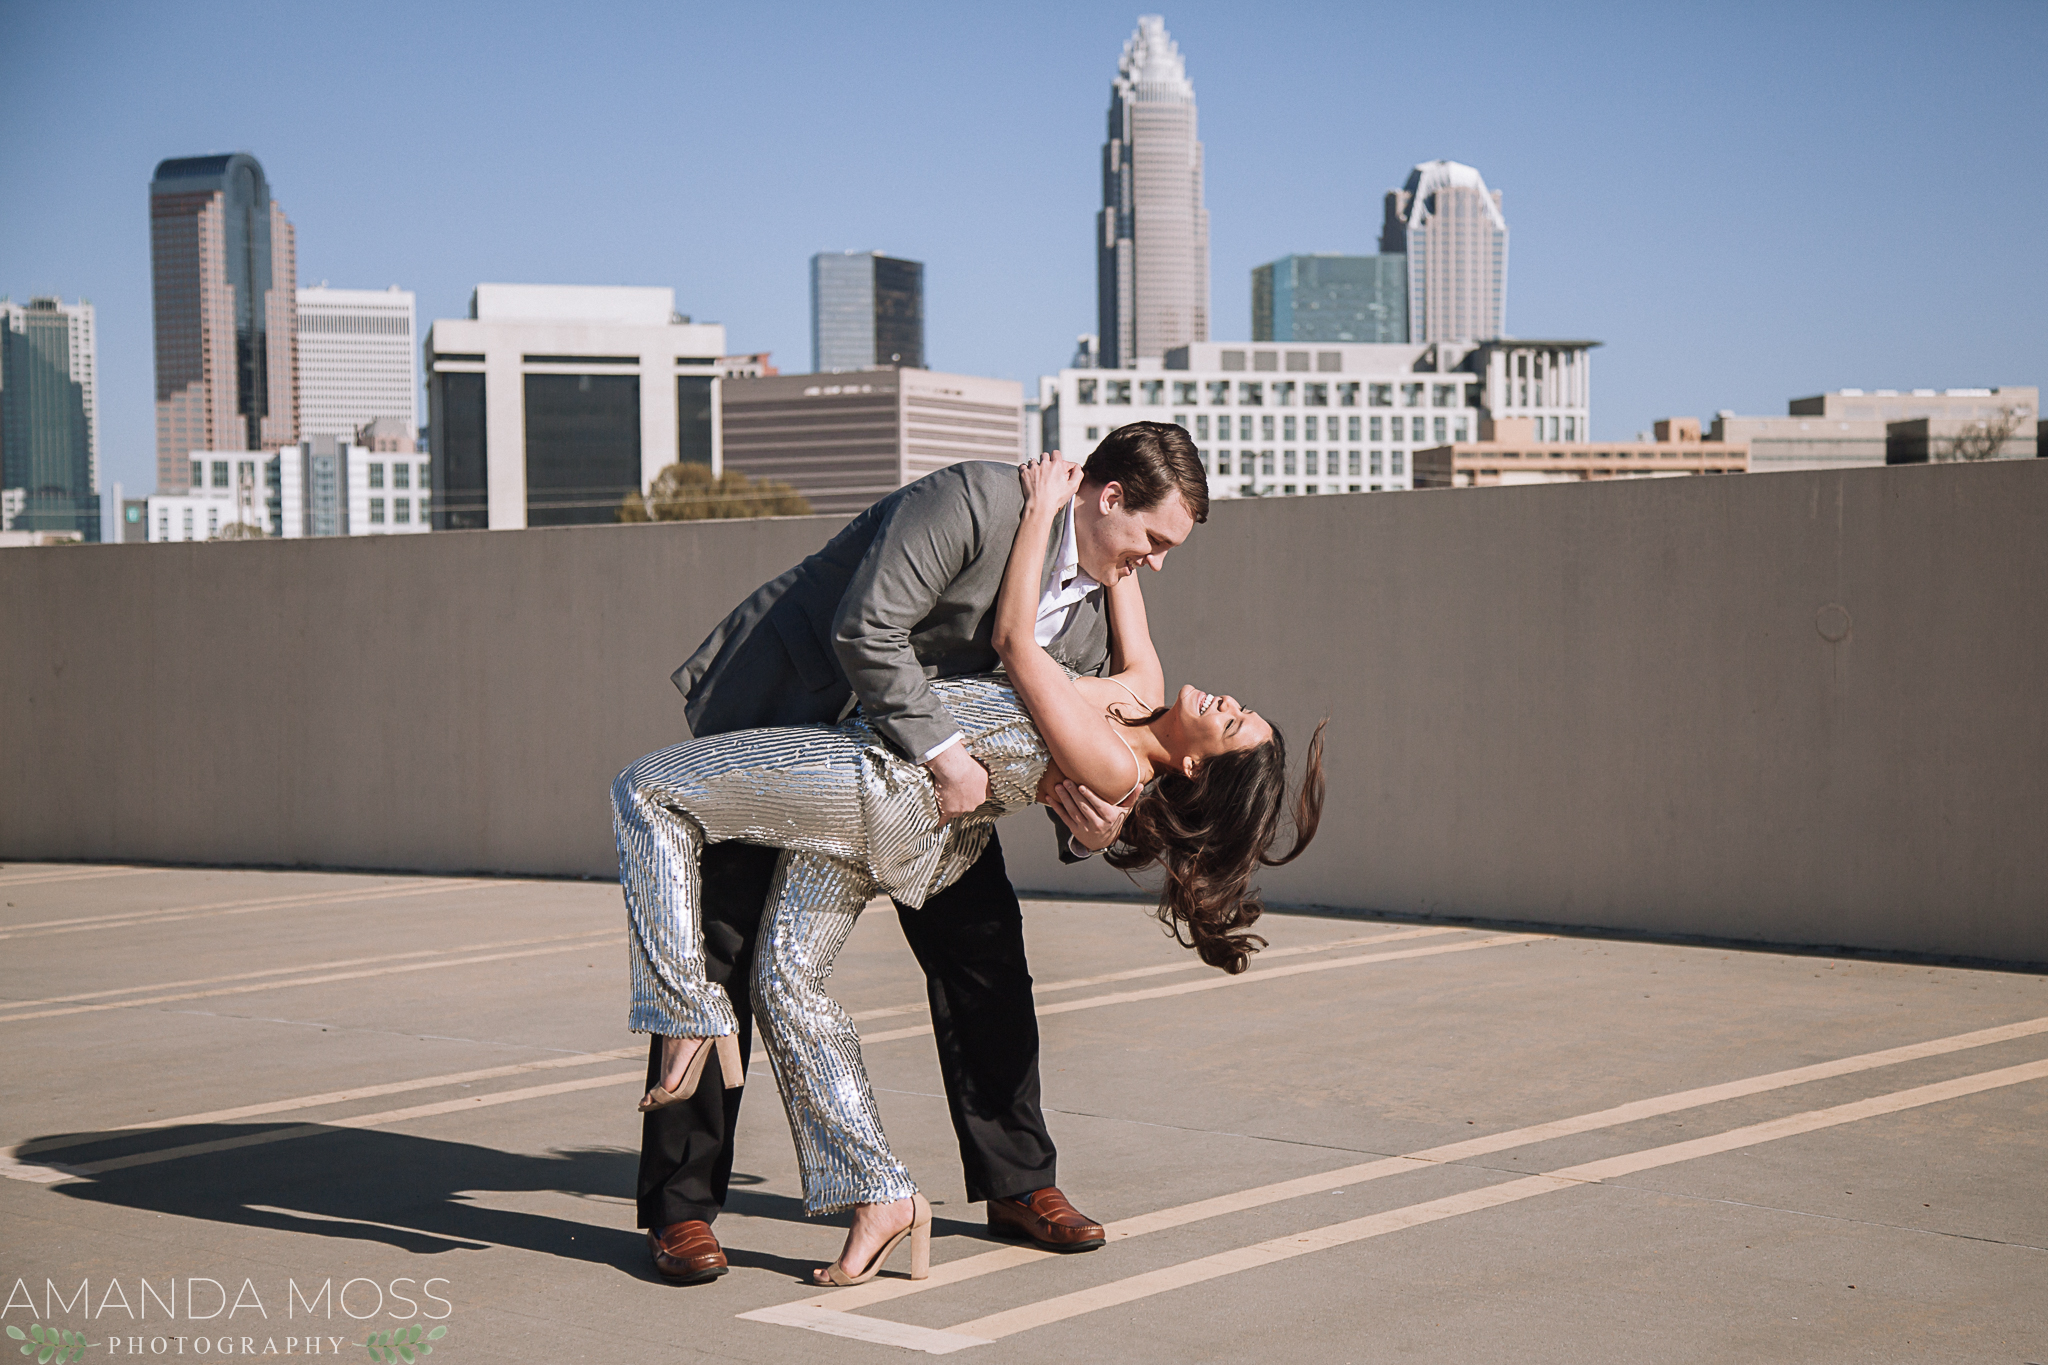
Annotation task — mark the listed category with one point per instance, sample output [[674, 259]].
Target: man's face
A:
[[1112, 541]]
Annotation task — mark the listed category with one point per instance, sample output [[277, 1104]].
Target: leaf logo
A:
[[405, 1344], [47, 1344]]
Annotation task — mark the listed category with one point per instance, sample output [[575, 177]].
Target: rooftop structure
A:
[[1845, 428], [1508, 451]]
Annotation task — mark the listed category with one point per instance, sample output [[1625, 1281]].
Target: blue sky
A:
[[1744, 202]]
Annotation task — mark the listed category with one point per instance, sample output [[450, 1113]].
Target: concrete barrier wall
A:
[[1791, 708]]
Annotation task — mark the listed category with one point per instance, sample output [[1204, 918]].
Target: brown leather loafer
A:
[[1046, 1218], [686, 1253]]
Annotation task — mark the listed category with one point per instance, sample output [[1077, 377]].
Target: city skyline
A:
[[1839, 293]]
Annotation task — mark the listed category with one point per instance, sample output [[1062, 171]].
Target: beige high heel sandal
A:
[[920, 1234], [727, 1047]]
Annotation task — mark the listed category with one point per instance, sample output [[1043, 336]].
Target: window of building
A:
[[1315, 395], [198, 476], [459, 439], [245, 473], [401, 511], [1376, 470], [1251, 393], [1396, 466], [1094, 433], [1347, 395], [1266, 462], [1153, 391], [1287, 462], [693, 418], [401, 476], [1117, 391], [1267, 490], [1351, 428], [1460, 429], [376, 511], [1246, 490], [1437, 425], [1244, 426], [1444, 395], [1265, 360], [1287, 425], [1399, 430], [188, 523], [1266, 426], [1180, 419], [1184, 391], [1219, 393], [212, 522], [1222, 462], [1553, 428], [1310, 488], [1287, 491], [1231, 360], [1571, 428], [1354, 487], [1084, 391], [1308, 462], [582, 446], [1283, 393], [1379, 395], [1308, 428], [163, 524], [1411, 395], [1379, 429], [1351, 465], [376, 476], [1329, 362], [220, 473], [1202, 426], [1297, 360], [422, 500]]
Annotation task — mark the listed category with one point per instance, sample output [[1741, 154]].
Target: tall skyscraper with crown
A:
[[1152, 236]]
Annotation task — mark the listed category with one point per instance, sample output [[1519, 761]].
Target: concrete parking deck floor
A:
[[1387, 1141]]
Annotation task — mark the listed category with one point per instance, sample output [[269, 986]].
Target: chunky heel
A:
[[921, 1239], [730, 1068], [920, 1234]]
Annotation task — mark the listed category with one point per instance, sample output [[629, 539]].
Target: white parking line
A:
[[321, 979], [998, 1325], [298, 967], [12, 1167], [87, 874], [1006, 1258], [173, 914]]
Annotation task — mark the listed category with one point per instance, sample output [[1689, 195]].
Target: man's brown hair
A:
[[1150, 460]]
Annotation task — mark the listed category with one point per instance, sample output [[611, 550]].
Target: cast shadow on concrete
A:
[[423, 1195]]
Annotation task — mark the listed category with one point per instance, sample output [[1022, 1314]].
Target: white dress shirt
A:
[[1068, 588]]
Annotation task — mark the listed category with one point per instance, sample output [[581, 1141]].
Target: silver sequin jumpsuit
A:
[[854, 820]]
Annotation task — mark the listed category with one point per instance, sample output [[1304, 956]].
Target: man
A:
[[904, 594]]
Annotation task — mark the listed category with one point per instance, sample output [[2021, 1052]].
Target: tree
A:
[[1982, 440], [240, 530], [691, 492]]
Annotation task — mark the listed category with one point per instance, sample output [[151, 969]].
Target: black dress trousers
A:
[[970, 941]]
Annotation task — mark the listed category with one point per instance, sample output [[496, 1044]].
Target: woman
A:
[[856, 819]]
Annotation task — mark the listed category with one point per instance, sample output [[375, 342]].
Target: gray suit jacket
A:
[[906, 593]]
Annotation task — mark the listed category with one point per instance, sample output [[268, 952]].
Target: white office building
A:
[[356, 360], [320, 487], [1279, 421], [549, 404]]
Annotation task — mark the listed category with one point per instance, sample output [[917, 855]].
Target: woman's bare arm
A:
[[1080, 742], [1132, 659]]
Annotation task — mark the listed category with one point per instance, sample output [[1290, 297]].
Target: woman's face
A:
[[1202, 725]]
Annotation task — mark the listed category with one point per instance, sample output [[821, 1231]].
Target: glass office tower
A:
[[867, 312], [224, 269], [1331, 298], [47, 447]]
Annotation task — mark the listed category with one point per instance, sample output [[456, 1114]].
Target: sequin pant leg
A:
[[812, 1042], [659, 848]]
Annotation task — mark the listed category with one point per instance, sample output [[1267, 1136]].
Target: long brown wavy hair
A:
[[1210, 834]]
